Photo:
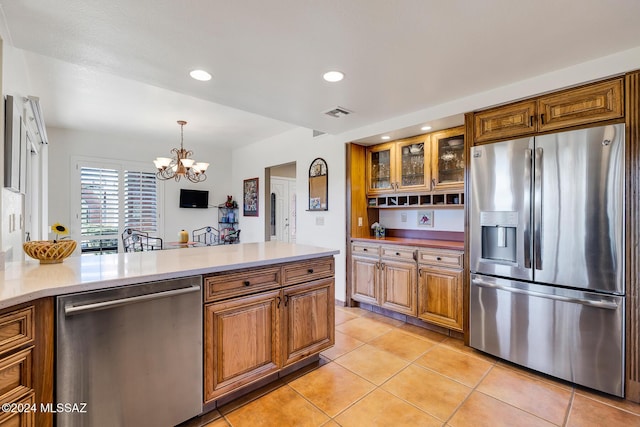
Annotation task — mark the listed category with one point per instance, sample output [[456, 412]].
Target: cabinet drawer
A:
[[306, 271], [398, 252], [226, 285], [365, 249], [16, 329], [441, 257], [16, 375], [20, 419]]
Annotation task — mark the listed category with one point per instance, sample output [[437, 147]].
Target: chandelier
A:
[[181, 165]]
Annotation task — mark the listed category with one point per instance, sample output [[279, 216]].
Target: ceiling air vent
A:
[[338, 112]]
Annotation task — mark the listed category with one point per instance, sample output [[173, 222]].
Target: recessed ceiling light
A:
[[385, 137], [425, 128], [333, 76], [201, 75]]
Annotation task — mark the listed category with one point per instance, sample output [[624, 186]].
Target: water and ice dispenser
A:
[[499, 235]]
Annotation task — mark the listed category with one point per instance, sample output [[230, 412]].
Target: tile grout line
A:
[[446, 422], [349, 406]]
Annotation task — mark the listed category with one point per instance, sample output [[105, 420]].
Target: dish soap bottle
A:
[[183, 236]]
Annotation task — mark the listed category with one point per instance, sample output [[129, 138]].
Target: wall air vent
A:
[[317, 133], [338, 112]]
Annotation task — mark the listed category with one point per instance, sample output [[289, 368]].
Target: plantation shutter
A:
[[99, 210], [140, 201], [112, 199]]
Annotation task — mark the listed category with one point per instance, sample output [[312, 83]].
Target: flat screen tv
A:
[[194, 199]]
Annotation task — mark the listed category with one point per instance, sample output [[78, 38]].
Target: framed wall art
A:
[[425, 218], [250, 197]]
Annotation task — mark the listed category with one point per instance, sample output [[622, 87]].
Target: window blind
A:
[[140, 201], [112, 200]]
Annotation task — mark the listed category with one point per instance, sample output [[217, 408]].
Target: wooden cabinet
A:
[[440, 294], [381, 160], [413, 167], [398, 286], [258, 321], [504, 122], [423, 163], [402, 165], [385, 277], [447, 157], [241, 341], [364, 279], [572, 107], [26, 362], [21, 419], [308, 319], [588, 104]]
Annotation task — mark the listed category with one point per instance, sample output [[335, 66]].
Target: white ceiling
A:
[[123, 64]]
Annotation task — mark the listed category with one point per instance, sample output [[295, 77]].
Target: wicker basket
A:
[[49, 252]]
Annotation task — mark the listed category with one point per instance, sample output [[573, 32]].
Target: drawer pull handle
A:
[[310, 271], [246, 283], [365, 250], [398, 253], [438, 258]]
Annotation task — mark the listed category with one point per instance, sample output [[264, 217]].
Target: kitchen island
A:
[[267, 309]]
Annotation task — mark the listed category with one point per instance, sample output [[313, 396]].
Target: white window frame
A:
[[77, 162]]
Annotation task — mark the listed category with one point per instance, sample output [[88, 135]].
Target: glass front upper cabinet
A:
[[448, 160], [413, 168], [380, 159], [402, 165]]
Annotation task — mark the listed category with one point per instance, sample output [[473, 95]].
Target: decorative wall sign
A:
[[250, 198], [425, 218], [318, 185]]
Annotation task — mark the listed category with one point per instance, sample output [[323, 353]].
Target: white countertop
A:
[[26, 281]]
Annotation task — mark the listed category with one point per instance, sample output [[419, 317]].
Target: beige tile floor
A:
[[382, 372]]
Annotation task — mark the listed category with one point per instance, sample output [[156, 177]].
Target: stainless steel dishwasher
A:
[[133, 354]]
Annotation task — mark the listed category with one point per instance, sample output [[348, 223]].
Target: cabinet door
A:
[[505, 122], [596, 102], [308, 319], [380, 165], [440, 296], [24, 418], [364, 279], [413, 168], [241, 342], [447, 159], [398, 290]]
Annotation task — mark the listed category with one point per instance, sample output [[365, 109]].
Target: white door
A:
[[283, 209]]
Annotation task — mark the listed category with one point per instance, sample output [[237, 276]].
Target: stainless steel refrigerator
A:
[[547, 254]]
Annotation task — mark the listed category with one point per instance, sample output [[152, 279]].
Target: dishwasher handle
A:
[[71, 310], [599, 304]]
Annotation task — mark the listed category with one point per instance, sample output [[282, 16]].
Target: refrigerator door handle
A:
[[527, 208], [598, 304], [537, 213]]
